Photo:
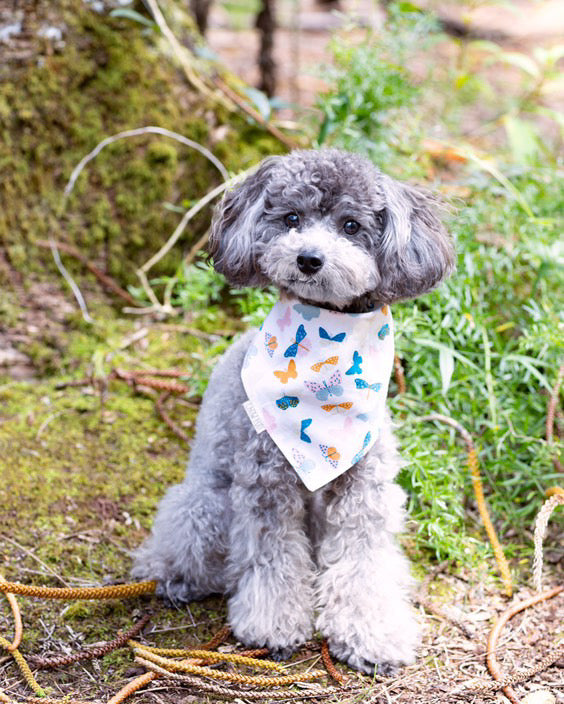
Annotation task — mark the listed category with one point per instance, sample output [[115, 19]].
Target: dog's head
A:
[[329, 228]]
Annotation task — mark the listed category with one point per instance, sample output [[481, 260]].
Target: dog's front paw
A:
[[369, 665], [379, 642]]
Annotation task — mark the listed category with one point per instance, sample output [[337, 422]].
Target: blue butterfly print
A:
[[357, 361], [361, 384], [324, 389], [363, 416], [302, 464], [384, 330], [292, 350], [308, 312], [306, 422], [287, 402], [360, 454], [324, 335]]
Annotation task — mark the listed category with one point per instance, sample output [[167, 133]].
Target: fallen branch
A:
[[104, 279]]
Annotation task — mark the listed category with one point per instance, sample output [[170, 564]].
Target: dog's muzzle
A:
[[309, 262]]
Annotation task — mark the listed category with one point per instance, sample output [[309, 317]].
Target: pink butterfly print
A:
[[269, 420], [285, 320]]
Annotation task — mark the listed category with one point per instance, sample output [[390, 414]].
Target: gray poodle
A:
[[328, 228]]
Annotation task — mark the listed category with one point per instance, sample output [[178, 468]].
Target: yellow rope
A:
[[209, 655], [500, 558], [474, 468], [118, 591], [18, 626], [132, 687], [183, 666], [24, 667]]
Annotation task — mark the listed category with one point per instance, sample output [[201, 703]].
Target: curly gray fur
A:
[[242, 523]]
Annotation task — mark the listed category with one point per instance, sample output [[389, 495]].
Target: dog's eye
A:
[[292, 220], [351, 227]]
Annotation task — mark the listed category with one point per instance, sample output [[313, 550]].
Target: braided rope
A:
[[132, 687], [93, 652], [330, 667], [18, 625], [216, 640], [175, 666], [541, 524], [209, 655], [491, 659], [24, 667], [50, 700], [481, 687], [244, 694], [118, 591]]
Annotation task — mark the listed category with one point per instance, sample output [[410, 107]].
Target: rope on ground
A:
[[541, 522], [209, 655], [132, 687], [18, 626], [217, 639], [491, 659], [474, 467], [480, 687], [244, 694], [330, 667], [159, 405], [190, 668], [117, 591], [93, 652], [24, 667]]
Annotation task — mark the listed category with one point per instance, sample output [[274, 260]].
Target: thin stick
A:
[[70, 281], [178, 50], [104, 279], [150, 129], [188, 215]]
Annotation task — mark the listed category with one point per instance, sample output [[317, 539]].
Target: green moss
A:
[[110, 77]]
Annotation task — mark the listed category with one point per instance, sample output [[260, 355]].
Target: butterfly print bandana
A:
[[317, 382]]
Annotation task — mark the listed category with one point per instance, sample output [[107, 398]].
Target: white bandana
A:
[[317, 382]]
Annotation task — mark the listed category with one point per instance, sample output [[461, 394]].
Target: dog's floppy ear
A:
[[233, 230], [415, 252]]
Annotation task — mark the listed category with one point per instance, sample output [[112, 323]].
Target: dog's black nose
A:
[[309, 263]]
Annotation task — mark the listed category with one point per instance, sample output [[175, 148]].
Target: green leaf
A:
[[425, 342], [260, 102], [523, 139], [132, 15], [446, 366], [521, 61]]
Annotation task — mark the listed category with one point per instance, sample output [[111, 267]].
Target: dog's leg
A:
[[270, 568], [363, 588], [186, 550]]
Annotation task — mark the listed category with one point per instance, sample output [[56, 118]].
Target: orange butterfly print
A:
[[319, 366], [332, 406], [290, 373], [331, 455]]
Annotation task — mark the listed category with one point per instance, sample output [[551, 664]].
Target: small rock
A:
[[539, 696]]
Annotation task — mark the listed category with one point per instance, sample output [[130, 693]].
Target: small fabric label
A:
[[254, 417]]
